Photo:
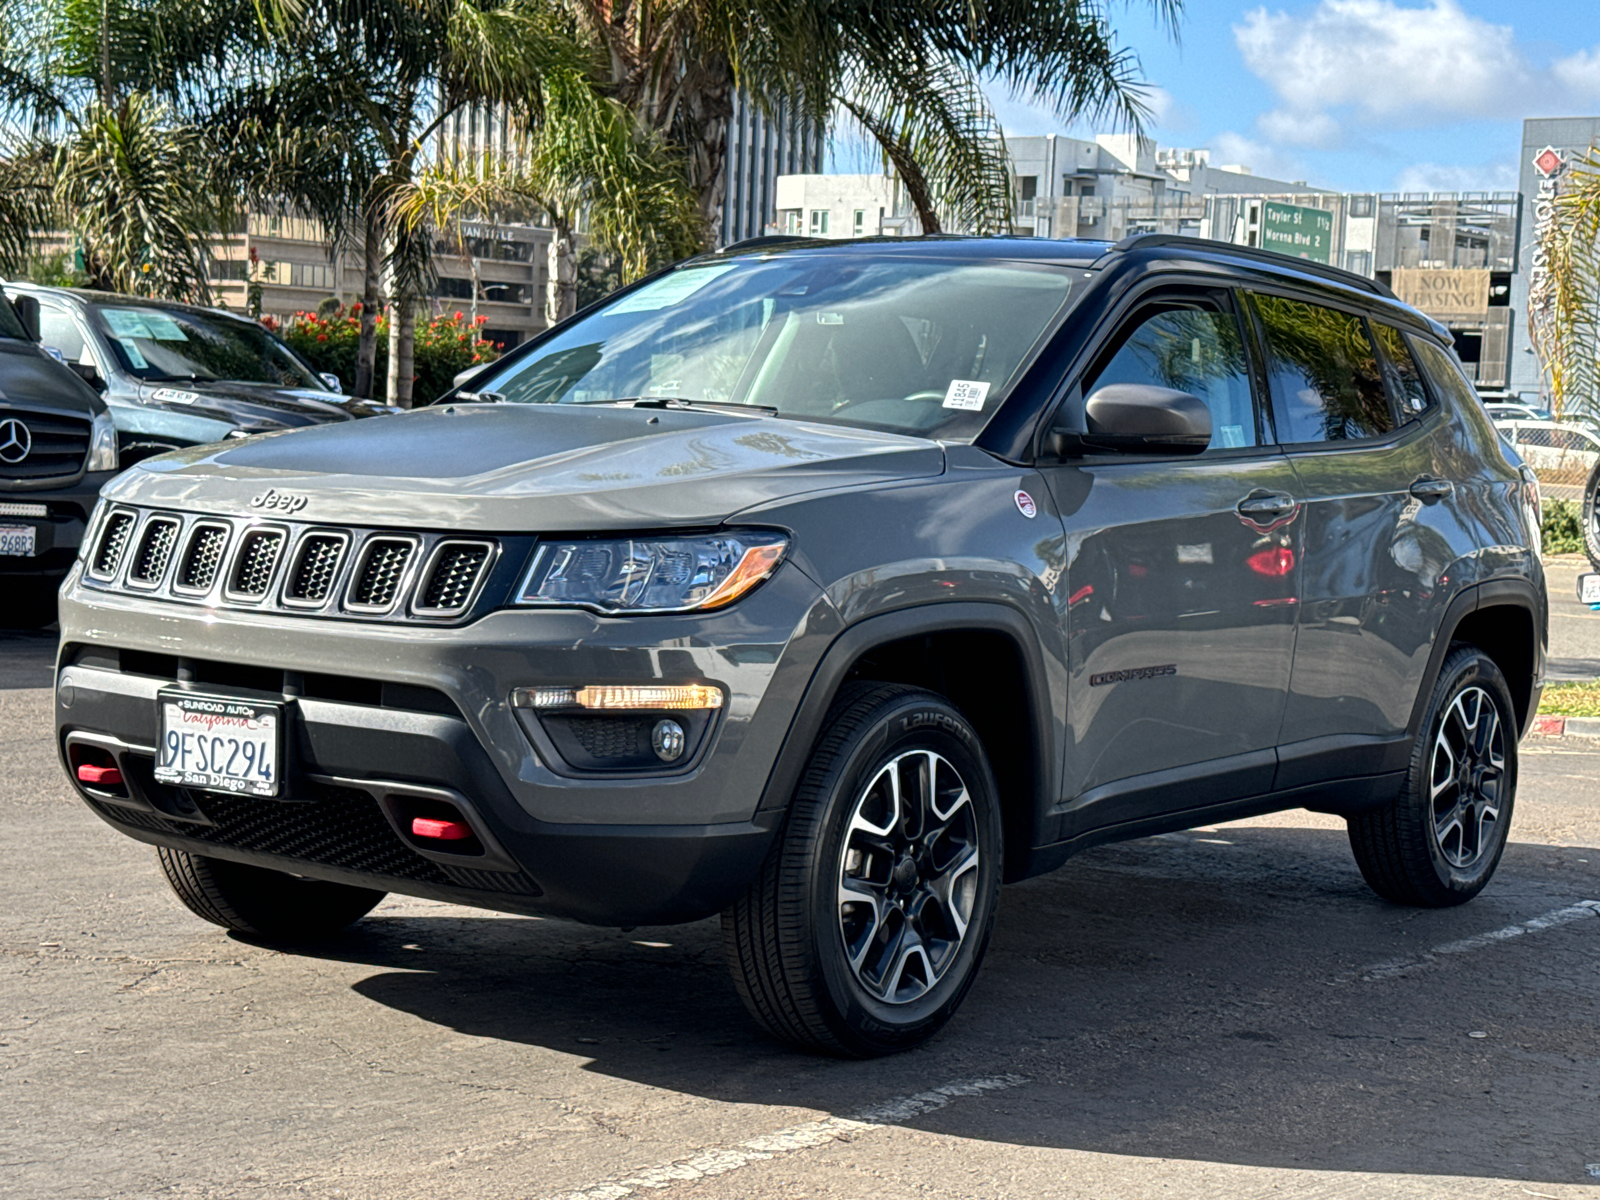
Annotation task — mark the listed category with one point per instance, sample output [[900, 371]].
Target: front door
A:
[[1181, 585]]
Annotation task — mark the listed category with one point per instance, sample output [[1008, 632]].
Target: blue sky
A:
[[1359, 95]]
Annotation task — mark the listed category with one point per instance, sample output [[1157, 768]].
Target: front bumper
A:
[[57, 536], [378, 717]]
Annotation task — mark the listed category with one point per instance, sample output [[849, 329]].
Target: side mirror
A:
[[1139, 418], [28, 310], [89, 374], [465, 377], [332, 380]]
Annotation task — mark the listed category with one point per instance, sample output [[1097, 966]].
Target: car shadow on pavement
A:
[[1199, 996], [27, 659]]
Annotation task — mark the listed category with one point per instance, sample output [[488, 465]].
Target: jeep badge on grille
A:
[[275, 501]]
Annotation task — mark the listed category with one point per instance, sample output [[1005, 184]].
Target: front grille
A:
[[56, 443], [198, 570], [113, 544], [316, 568], [155, 551], [608, 738], [252, 569], [453, 576], [382, 570]]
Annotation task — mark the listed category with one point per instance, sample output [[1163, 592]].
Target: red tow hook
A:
[[99, 776], [445, 831]]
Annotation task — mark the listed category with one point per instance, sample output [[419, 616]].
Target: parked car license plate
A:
[[18, 541], [218, 744], [1589, 588]]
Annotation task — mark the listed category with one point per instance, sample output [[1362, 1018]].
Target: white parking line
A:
[[1549, 920], [721, 1160]]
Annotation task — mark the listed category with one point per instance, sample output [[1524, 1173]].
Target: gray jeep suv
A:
[[829, 586]]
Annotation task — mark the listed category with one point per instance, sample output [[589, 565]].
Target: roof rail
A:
[[1142, 241]]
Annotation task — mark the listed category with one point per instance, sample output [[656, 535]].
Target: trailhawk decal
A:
[[1133, 673]]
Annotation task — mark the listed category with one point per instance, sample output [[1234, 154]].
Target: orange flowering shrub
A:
[[445, 346]]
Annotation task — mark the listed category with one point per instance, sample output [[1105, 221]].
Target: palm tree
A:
[[907, 72], [1564, 296]]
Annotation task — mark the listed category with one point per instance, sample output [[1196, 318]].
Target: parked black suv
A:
[[828, 586]]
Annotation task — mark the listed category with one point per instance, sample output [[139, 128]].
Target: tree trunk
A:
[[706, 112], [402, 347], [561, 294], [905, 166], [371, 297]]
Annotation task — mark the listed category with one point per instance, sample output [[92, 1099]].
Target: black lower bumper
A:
[[354, 775]]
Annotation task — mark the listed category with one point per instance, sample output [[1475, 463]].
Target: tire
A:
[[30, 602], [1591, 517], [263, 903], [884, 973], [1433, 852]]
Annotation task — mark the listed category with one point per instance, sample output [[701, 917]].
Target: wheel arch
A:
[[986, 660], [1502, 617]]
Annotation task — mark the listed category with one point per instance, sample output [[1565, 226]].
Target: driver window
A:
[[1190, 349], [60, 332]]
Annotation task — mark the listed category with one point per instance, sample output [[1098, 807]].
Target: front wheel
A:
[[261, 902], [1439, 841], [871, 916]]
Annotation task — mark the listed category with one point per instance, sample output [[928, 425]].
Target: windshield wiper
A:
[[169, 378], [680, 402]]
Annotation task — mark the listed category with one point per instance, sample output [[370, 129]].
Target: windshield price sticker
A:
[[672, 289], [966, 394], [218, 744]]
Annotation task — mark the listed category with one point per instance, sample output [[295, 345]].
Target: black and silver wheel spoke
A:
[[908, 876], [1468, 767]]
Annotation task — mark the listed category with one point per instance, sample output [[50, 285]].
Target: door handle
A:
[[1428, 488], [1265, 504]]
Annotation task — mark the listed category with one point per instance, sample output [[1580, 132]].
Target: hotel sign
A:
[[1297, 231], [1457, 292]]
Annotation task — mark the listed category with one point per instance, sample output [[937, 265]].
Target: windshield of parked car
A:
[[170, 344], [910, 345]]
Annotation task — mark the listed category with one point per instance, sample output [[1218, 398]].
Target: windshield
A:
[[168, 344], [923, 346]]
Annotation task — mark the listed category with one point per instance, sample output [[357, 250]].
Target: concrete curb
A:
[[1567, 726]]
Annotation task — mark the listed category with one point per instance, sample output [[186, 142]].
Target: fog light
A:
[[668, 741]]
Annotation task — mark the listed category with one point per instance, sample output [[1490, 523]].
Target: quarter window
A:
[[1194, 350], [1326, 382], [60, 332], [1446, 377], [1407, 375]]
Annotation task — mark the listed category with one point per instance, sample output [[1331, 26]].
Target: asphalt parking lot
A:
[[1225, 1012]]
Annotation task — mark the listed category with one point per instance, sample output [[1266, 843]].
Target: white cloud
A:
[[1401, 64], [1579, 74], [1445, 177], [1232, 149], [1314, 129]]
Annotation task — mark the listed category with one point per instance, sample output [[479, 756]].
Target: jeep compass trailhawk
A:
[[828, 586]]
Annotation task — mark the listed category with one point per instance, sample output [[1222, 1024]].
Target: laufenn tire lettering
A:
[[1132, 673]]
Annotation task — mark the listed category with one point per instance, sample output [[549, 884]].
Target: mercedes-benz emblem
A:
[[15, 441]]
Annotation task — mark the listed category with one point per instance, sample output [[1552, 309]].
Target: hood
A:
[[250, 405], [31, 379], [521, 468]]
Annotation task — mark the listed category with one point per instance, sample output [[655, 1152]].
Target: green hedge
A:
[[445, 346], [1562, 531]]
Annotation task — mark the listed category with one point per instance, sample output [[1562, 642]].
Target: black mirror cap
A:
[[28, 312], [1140, 418]]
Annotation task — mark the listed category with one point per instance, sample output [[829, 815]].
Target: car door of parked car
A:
[[1181, 576], [1380, 536]]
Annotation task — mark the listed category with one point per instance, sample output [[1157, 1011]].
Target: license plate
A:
[[1589, 588], [219, 745], [18, 541]]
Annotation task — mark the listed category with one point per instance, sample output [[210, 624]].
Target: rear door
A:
[[1178, 598], [1356, 424]]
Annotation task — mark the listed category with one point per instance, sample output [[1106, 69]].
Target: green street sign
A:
[[1297, 231]]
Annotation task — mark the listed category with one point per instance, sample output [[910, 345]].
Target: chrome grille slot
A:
[[316, 567], [113, 544], [201, 559], [154, 553], [58, 444], [254, 564], [380, 573], [451, 578]]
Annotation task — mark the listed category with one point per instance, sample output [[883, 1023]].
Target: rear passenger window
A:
[[1326, 382], [1407, 376], [1195, 350]]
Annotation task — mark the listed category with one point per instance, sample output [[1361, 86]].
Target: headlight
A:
[[652, 575], [102, 444]]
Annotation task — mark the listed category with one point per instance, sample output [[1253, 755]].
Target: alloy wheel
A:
[[908, 876], [1468, 777]]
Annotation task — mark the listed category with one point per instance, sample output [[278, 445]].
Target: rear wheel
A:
[[29, 602], [871, 916], [262, 902], [1591, 517], [1439, 842]]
